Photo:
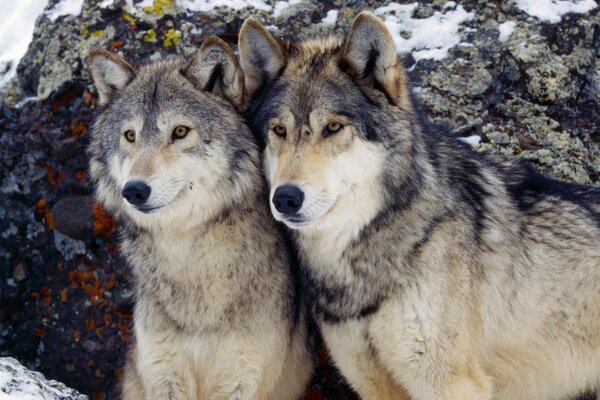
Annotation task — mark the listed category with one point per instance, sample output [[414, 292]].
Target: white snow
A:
[[430, 37], [472, 140], [553, 10], [207, 5], [65, 7], [18, 383], [107, 3], [16, 32], [331, 18], [282, 5], [506, 29]]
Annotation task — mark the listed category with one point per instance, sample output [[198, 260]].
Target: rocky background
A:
[[65, 299]]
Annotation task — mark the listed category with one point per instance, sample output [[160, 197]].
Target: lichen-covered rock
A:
[[19, 383], [531, 93]]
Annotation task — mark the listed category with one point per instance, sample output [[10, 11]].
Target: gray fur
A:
[[440, 274], [217, 313]]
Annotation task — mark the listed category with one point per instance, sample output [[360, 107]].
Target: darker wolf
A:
[[217, 314], [433, 272]]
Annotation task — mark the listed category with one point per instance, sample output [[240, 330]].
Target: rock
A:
[[20, 272], [19, 383], [73, 216]]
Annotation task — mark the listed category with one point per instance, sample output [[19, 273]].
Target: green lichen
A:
[[150, 36], [172, 38]]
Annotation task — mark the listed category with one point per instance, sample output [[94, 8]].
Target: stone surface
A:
[[65, 300], [19, 383]]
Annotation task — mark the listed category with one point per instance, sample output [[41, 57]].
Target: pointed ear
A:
[[110, 73], [261, 55], [215, 69], [371, 55]]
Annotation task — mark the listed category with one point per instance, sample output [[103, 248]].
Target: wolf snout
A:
[[288, 199], [136, 192]]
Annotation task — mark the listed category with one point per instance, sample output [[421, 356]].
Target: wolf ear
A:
[[110, 73], [215, 69], [370, 52], [261, 55]]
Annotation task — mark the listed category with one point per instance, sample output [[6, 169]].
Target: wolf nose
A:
[[136, 192], [288, 199]]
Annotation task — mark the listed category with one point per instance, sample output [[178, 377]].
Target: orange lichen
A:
[[80, 175], [77, 336], [50, 220], [63, 295], [54, 178], [90, 325], [116, 44], [103, 222], [78, 130], [40, 206]]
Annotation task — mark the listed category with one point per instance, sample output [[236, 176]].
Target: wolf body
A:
[[433, 272], [217, 313]]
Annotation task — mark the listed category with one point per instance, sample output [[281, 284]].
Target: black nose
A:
[[288, 199], [136, 192]]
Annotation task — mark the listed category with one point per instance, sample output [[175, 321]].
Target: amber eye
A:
[[129, 135], [180, 132], [279, 130], [332, 128]]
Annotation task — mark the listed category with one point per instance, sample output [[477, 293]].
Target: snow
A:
[[107, 3], [16, 32], [472, 140], [430, 37], [65, 7], [506, 29], [18, 383], [282, 5], [553, 10], [331, 17], [207, 5]]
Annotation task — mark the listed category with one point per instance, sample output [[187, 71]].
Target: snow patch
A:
[[430, 37], [65, 7], [16, 32], [553, 10], [18, 383], [282, 5], [506, 29], [331, 18], [472, 140], [208, 5]]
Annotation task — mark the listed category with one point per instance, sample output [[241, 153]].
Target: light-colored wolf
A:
[[217, 313], [434, 272]]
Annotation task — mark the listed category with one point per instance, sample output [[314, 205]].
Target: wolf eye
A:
[[332, 128], [180, 132], [279, 130], [129, 135]]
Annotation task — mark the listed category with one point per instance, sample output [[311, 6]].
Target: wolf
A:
[[433, 272], [217, 313]]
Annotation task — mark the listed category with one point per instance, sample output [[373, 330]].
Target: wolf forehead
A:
[[314, 78]]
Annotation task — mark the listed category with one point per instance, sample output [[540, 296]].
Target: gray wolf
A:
[[433, 272], [217, 313]]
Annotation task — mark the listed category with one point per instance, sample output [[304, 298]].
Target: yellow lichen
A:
[[172, 37], [85, 31], [130, 19], [158, 7], [518, 150], [97, 33], [150, 36]]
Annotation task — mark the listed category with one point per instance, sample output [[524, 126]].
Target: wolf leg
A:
[[354, 355], [160, 366], [131, 384], [433, 361]]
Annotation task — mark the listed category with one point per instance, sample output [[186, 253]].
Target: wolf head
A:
[[336, 115], [169, 144]]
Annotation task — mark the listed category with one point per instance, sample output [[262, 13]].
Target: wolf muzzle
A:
[[136, 192], [288, 199]]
